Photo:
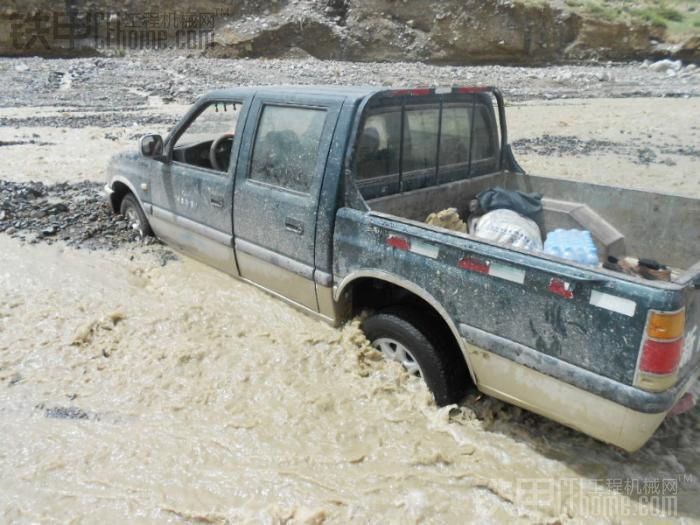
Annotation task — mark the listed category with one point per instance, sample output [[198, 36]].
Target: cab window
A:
[[436, 143], [208, 139], [287, 146], [379, 145]]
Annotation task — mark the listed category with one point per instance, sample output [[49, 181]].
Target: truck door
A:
[[277, 190], [193, 192]]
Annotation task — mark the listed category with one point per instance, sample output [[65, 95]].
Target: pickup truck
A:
[[319, 195]]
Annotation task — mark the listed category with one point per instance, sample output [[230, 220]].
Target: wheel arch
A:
[[120, 188], [345, 289]]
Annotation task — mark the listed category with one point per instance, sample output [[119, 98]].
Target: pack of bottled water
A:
[[573, 245]]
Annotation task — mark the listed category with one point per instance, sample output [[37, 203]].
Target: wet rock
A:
[[689, 49], [56, 208], [47, 232], [76, 213], [646, 156], [69, 412], [561, 145], [666, 65]]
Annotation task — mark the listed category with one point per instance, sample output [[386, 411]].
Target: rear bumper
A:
[[591, 413], [555, 399], [584, 380]]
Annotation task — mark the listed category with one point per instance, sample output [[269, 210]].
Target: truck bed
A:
[[624, 222]]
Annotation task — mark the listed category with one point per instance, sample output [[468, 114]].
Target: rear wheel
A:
[[132, 212], [417, 342]]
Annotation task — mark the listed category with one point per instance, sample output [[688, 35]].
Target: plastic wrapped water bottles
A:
[[573, 245]]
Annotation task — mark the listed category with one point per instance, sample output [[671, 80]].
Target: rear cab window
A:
[[406, 145]]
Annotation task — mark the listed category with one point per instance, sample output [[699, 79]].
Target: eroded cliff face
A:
[[451, 31], [446, 32]]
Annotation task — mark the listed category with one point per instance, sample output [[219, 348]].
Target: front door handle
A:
[[294, 226], [217, 202]]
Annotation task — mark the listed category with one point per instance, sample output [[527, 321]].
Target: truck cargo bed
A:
[[624, 222]]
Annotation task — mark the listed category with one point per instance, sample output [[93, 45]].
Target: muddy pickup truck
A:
[[319, 195]]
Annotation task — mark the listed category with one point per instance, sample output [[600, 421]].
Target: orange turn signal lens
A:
[[666, 325]]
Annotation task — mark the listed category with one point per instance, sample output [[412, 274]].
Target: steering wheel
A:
[[213, 150]]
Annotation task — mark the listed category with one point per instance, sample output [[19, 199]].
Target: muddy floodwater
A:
[[168, 393], [138, 388]]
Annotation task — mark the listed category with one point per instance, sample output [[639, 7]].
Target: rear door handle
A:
[[217, 202], [294, 226]]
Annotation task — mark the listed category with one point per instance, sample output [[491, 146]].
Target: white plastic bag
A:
[[509, 228]]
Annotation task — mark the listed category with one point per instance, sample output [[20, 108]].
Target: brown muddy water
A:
[[136, 392], [175, 393]]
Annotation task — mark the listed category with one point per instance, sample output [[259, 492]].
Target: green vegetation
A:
[[678, 17], [652, 16], [669, 13], [603, 10]]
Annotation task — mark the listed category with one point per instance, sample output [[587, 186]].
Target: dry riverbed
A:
[[140, 386]]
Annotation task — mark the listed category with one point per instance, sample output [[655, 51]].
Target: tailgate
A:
[[690, 358]]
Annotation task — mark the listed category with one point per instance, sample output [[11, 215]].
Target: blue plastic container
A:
[[573, 245]]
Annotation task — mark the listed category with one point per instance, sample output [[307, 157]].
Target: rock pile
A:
[[76, 213]]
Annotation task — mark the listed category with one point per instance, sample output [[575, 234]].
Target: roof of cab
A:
[[349, 92]]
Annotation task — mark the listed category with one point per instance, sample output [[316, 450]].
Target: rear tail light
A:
[[661, 351], [660, 357], [664, 325]]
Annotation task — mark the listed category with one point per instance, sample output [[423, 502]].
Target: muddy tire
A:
[[132, 212], [418, 343]]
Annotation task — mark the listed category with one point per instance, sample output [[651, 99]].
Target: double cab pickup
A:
[[319, 195]]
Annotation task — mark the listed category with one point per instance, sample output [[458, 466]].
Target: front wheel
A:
[[132, 212], [417, 342]]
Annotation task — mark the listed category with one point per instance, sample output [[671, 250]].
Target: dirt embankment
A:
[[446, 32]]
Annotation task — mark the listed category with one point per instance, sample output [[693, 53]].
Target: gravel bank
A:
[[121, 83], [74, 213]]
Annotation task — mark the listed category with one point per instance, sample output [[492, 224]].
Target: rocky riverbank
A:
[[73, 213], [117, 88], [454, 32]]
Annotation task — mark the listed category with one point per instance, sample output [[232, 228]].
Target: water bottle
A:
[[572, 245]]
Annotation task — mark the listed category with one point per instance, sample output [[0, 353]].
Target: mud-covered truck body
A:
[[319, 195]]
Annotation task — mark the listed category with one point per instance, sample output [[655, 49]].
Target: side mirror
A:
[[151, 145]]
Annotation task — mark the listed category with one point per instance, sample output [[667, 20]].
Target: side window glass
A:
[[483, 135], [208, 140], [456, 132], [420, 139], [286, 146], [379, 146]]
